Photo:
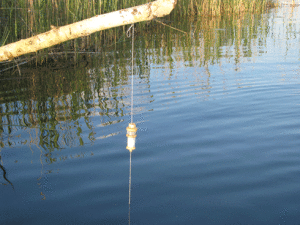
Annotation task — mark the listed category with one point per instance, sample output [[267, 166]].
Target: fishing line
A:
[[131, 129], [129, 195], [131, 28]]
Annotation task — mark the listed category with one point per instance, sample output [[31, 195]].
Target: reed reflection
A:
[[73, 98]]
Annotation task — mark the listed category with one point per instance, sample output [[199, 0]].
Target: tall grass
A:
[[29, 17]]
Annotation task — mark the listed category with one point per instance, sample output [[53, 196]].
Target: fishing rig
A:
[[131, 129]]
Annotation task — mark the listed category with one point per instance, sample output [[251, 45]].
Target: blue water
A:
[[217, 144]]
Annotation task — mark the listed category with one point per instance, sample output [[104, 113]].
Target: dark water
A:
[[218, 139]]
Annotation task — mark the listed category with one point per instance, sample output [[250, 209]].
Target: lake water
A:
[[218, 138]]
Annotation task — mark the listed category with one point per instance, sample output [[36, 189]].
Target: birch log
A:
[[86, 27]]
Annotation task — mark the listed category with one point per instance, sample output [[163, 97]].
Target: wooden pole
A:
[[86, 27]]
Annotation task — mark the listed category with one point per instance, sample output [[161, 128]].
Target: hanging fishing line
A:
[[131, 129], [131, 28]]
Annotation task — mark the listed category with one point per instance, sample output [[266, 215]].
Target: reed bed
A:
[[221, 7], [24, 18]]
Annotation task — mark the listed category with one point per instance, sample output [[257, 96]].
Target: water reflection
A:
[[64, 120], [68, 101]]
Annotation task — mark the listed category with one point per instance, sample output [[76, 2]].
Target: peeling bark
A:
[[86, 27]]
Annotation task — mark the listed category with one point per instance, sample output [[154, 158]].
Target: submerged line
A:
[[129, 189]]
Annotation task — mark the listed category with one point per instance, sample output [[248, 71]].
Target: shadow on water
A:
[[60, 99]]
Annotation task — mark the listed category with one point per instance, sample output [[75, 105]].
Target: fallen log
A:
[[86, 27]]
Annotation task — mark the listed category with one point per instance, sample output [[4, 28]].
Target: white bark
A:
[[86, 27]]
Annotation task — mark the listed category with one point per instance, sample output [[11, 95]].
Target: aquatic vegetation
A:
[[221, 7], [26, 18]]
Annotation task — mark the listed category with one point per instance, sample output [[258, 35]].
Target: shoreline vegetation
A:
[[21, 19]]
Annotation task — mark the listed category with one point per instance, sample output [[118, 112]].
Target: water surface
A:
[[218, 118]]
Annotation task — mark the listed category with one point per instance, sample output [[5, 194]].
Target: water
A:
[[217, 142]]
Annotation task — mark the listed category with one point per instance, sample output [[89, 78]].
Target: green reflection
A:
[[58, 100]]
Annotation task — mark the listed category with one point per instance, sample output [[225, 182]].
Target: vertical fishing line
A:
[[132, 50], [131, 129], [128, 34], [129, 189]]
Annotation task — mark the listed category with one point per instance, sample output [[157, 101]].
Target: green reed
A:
[[220, 7], [29, 17]]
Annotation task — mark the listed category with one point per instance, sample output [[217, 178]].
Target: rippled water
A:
[[217, 143]]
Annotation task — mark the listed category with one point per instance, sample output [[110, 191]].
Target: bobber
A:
[[131, 135]]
